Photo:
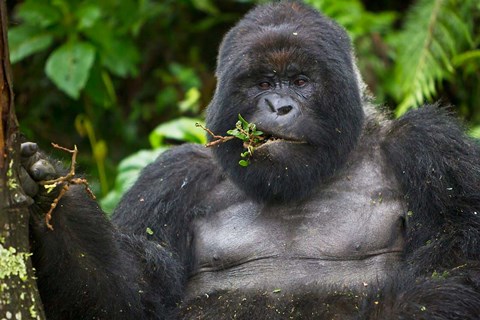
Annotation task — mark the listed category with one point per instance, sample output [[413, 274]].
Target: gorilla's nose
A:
[[280, 105]]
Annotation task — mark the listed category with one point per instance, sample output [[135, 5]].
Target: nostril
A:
[[284, 110]]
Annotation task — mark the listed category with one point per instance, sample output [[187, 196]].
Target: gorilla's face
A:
[[297, 83]]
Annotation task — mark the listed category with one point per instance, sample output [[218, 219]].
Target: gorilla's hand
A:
[[35, 168]]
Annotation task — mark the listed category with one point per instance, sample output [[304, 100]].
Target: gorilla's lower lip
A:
[[273, 139]]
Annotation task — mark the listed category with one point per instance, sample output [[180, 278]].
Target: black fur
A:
[[439, 169], [140, 265], [83, 272]]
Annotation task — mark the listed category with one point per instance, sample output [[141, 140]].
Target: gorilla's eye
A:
[[300, 82], [264, 85]]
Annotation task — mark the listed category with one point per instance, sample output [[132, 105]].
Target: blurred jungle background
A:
[[126, 79]]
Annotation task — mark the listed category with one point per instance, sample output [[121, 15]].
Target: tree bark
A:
[[19, 298]]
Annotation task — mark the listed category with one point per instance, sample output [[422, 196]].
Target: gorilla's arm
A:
[[87, 268], [438, 168], [83, 271]]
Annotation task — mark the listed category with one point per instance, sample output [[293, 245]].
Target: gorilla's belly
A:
[[296, 275], [350, 234]]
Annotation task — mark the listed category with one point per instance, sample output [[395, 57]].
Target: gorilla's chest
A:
[[349, 234]]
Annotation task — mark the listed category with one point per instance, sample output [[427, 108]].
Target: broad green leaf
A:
[[69, 66], [181, 129], [26, 40], [36, 13], [128, 172], [87, 14]]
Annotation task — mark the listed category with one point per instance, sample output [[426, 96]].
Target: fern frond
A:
[[434, 32]]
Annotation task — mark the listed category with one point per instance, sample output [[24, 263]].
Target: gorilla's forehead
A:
[[281, 49], [278, 47], [282, 31]]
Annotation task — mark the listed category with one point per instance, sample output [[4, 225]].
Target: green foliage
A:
[[99, 148], [181, 129], [353, 16], [435, 54], [78, 33], [180, 76], [69, 66], [435, 32], [26, 40], [251, 137]]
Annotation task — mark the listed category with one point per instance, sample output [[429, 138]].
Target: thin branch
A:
[[66, 180], [219, 139]]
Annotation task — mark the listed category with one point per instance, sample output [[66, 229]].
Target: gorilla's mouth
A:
[[269, 139]]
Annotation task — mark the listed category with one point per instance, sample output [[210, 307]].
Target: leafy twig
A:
[[66, 180], [245, 131]]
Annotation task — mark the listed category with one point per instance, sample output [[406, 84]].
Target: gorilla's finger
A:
[[28, 149], [29, 154], [29, 186], [42, 170]]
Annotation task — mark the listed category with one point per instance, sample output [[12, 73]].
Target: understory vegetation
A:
[[126, 79]]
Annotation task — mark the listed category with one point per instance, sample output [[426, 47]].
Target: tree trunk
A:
[[19, 298]]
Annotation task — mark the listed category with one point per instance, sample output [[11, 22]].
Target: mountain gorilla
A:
[[341, 213]]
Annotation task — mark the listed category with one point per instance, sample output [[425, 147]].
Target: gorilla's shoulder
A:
[[186, 156], [428, 149], [429, 130], [180, 175], [180, 167]]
